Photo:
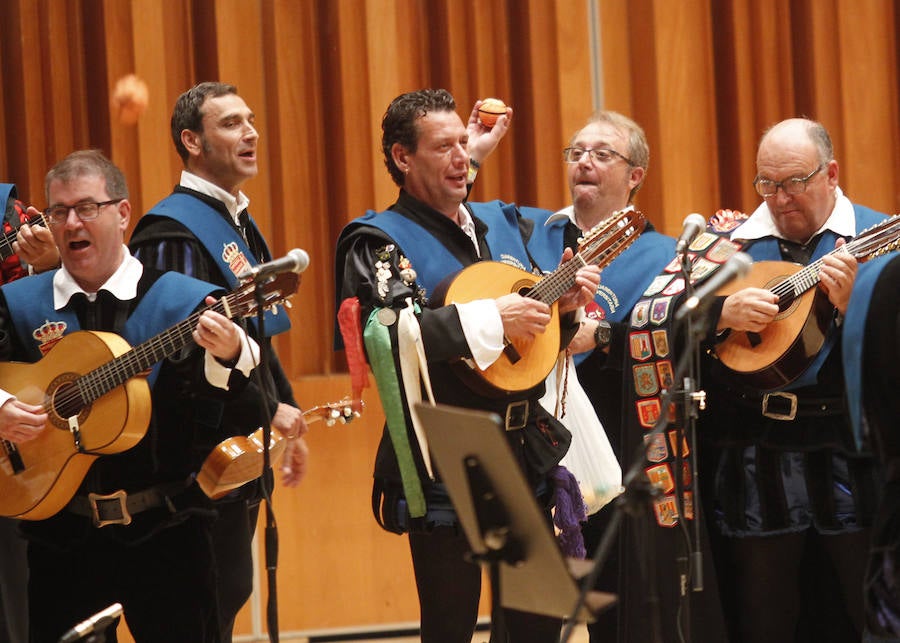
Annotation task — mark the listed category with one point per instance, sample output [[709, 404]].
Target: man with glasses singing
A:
[[137, 528], [793, 497]]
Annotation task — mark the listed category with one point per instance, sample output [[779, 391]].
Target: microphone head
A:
[[301, 259], [693, 224], [694, 220]]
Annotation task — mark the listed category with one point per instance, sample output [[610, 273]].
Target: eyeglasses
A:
[[796, 185], [601, 155], [58, 214]]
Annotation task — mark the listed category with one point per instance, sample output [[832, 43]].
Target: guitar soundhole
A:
[[65, 401], [785, 302]]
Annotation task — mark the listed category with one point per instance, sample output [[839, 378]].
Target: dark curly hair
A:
[[399, 122]]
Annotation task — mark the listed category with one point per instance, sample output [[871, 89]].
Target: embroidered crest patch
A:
[[660, 310], [645, 382], [49, 333], [659, 282], [702, 242], [640, 346], [656, 448], [660, 476], [702, 268], [640, 314], [675, 287], [673, 443], [648, 412], [666, 374], [722, 251], [660, 342], [235, 259], [727, 220], [666, 511]]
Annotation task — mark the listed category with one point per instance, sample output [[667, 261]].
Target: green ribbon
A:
[[381, 358]]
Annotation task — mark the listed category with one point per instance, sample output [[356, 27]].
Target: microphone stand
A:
[[694, 402], [267, 479], [639, 493]]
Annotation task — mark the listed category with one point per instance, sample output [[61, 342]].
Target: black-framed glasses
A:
[[57, 214], [599, 155], [795, 185]]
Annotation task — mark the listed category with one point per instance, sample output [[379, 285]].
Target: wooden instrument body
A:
[[237, 460], [781, 352], [490, 280], [53, 465]]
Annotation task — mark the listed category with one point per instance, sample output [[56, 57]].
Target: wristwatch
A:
[[602, 334]]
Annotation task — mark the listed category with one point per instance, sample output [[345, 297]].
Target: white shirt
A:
[[568, 212], [480, 319], [760, 224], [234, 205]]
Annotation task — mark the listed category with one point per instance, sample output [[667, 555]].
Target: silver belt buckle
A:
[[790, 415], [513, 423], [118, 496]]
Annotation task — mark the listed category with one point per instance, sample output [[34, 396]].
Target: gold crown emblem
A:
[[230, 252], [50, 331]]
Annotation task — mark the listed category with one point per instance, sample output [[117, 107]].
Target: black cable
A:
[[267, 479]]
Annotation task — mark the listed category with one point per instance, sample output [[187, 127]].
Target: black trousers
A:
[[13, 584], [797, 587], [233, 545], [449, 588], [166, 585]]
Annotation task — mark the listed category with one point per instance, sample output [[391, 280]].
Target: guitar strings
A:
[[864, 244], [599, 248], [108, 376]]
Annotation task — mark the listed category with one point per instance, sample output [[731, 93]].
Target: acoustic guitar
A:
[[780, 353], [238, 460], [93, 387], [524, 365]]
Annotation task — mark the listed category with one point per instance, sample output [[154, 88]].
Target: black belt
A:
[[513, 415], [786, 405], [118, 507]]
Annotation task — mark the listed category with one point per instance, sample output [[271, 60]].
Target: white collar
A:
[[122, 284], [234, 205], [841, 221], [468, 226], [568, 212]]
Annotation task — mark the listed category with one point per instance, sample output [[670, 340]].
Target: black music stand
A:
[[504, 526]]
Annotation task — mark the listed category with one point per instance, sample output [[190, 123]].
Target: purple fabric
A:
[[570, 512]]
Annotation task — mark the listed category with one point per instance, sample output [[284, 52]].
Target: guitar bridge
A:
[[510, 351], [75, 430]]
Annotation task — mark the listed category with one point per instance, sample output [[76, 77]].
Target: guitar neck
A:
[[243, 301], [142, 357], [601, 245], [6, 247], [877, 240]]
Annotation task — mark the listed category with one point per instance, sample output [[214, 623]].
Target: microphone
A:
[[96, 623], [693, 224], [296, 260], [737, 266]]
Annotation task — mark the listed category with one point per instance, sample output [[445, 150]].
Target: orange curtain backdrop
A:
[[704, 78]]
